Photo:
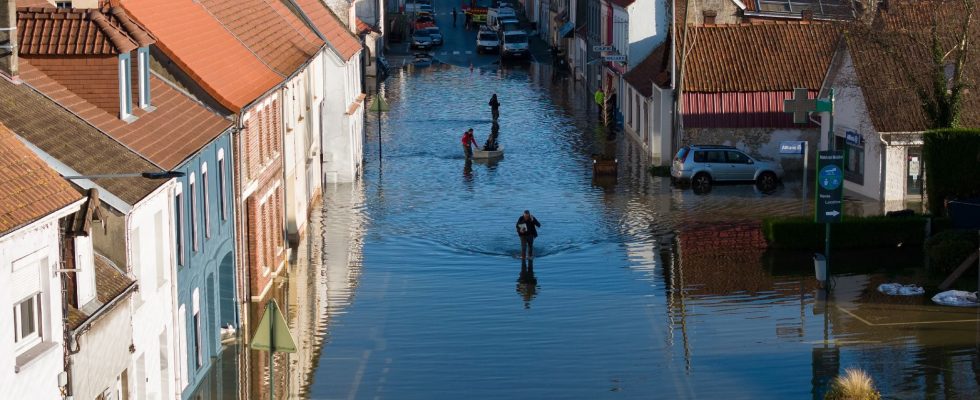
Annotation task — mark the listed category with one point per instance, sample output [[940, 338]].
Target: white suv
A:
[[487, 40]]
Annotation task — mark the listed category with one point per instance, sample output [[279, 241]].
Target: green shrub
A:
[[800, 233], [949, 248], [659, 170], [951, 159]]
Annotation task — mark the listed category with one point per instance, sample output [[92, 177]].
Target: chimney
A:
[[806, 15], [709, 16], [8, 39]]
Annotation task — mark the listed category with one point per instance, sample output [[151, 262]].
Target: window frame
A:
[[143, 63], [205, 201], [24, 342], [221, 185], [181, 245], [125, 87], [192, 199]]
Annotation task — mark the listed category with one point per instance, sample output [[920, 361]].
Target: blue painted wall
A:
[[208, 267]]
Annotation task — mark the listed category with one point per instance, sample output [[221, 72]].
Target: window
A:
[[179, 228], [143, 60], [27, 321], [62, 4], [736, 157], [182, 346], [161, 260], [207, 202], [193, 211], [198, 335], [125, 88], [853, 160], [221, 184]]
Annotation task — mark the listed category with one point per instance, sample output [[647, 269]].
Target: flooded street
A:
[[411, 286]]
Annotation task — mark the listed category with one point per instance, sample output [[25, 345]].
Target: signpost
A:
[[830, 165], [798, 147], [378, 105], [601, 48], [614, 57], [273, 335]]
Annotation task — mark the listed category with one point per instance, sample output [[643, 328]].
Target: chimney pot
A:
[[709, 16]]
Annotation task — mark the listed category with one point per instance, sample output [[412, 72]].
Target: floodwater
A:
[[414, 287]]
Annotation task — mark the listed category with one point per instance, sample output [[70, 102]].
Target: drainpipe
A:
[[8, 40]]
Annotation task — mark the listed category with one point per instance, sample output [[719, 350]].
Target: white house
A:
[[647, 102], [31, 217], [634, 28]]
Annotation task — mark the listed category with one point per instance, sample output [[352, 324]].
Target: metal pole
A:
[[379, 131], [826, 250], [806, 155], [831, 146]]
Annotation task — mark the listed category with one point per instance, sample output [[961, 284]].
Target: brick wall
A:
[[95, 79]]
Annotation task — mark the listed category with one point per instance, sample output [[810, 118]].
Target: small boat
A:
[[484, 154]]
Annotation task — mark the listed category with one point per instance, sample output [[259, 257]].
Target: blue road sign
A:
[[791, 147], [852, 137], [830, 186]]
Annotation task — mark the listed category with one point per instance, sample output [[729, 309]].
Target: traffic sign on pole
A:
[[601, 48], [615, 57], [830, 186]]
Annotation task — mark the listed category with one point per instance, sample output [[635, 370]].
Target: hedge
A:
[[948, 249], [801, 233], [951, 158]]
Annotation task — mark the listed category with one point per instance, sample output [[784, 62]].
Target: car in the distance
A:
[[421, 40], [507, 25], [434, 34], [515, 45], [701, 165], [487, 40]]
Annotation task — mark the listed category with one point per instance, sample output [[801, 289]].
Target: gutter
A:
[[98, 314]]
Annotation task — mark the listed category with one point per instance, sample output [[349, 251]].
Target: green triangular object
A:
[[272, 333], [378, 104]]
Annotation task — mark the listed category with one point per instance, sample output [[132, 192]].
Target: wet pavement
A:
[[410, 284]]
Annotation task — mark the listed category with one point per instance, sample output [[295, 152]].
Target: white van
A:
[[494, 15], [515, 45]]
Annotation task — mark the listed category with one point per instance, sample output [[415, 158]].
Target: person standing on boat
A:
[[527, 230], [468, 140], [495, 107]]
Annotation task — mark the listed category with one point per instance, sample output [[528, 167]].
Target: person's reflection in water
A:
[[527, 284]]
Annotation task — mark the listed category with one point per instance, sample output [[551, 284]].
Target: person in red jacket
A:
[[469, 140]]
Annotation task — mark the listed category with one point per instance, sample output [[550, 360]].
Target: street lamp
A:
[[147, 175]]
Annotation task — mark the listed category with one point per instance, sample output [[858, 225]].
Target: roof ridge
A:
[[286, 20], [120, 40], [139, 33]]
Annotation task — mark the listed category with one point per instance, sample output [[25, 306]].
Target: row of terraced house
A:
[[158, 162], [679, 72]]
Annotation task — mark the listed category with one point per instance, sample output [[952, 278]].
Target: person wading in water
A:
[[527, 230], [494, 107], [469, 140]]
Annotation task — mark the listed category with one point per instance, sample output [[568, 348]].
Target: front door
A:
[[914, 172]]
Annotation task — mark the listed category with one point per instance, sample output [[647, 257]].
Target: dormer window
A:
[[125, 88], [143, 60]]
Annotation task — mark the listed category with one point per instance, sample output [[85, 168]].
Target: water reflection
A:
[[527, 283], [661, 292]]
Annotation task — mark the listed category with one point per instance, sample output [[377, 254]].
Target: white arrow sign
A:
[[833, 213]]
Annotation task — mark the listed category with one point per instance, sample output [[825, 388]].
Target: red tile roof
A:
[[29, 189], [268, 29], [177, 129], [62, 31], [653, 70], [196, 42], [363, 27], [893, 63], [332, 28], [765, 57]]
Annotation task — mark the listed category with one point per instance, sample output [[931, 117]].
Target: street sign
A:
[[272, 334], [600, 48], [830, 186], [378, 104], [791, 147], [852, 137], [615, 57]]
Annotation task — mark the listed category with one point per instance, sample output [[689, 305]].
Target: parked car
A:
[[417, 5], [515, 45], [507, 25], [487, 40], [496, 14], [421, 40], [435, 34], [701, 165]]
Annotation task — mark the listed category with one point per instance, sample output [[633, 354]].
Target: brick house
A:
[[736, 77]]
